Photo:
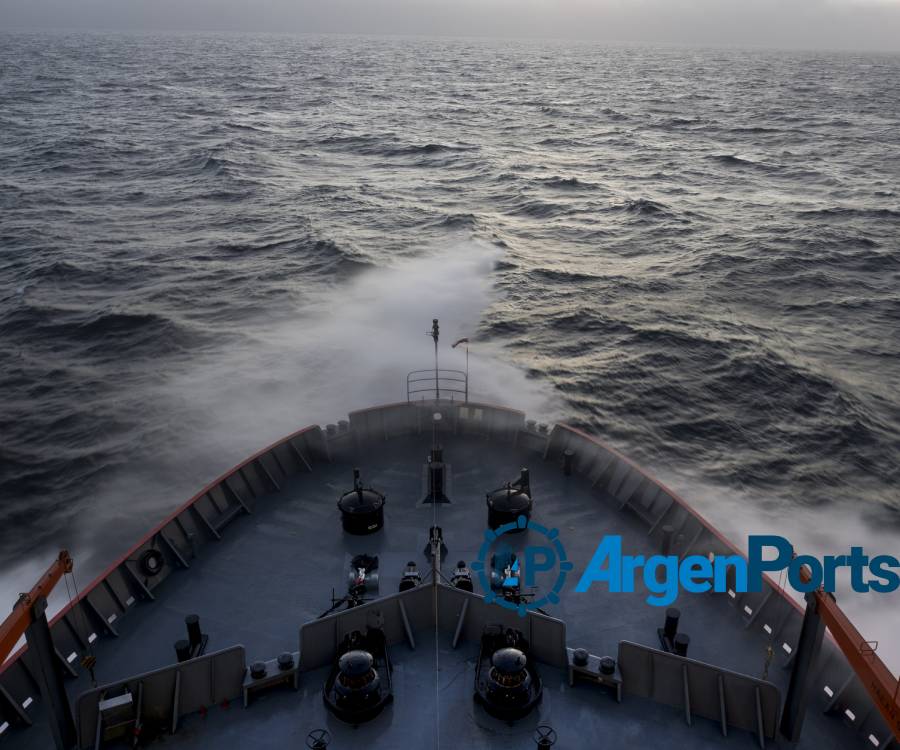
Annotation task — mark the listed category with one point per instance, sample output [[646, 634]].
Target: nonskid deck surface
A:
[[276, 569]]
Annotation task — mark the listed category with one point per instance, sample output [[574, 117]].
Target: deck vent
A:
[[362, 508], [509, 503]]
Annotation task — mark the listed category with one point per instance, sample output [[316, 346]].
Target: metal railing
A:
[[423, 385]]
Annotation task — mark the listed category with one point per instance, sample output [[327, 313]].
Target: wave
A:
[[108, 333], [559, 275], [375, 145], [539, 209], [426, 149], [313, 255], [732, 160], [848, 212], [456, 222], [647, 208], [567, 183]]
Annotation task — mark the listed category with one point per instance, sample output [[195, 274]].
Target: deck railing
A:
[[424, 385]]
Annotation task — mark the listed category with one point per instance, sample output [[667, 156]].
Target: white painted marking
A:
[[92, 637], [829, 692], [112, 618], [874, 740], [129, 601], [4, 726], [786, 647], [71, 657], [731, 593], [850, 715], [27, 702], [767, 629], [748, 610]]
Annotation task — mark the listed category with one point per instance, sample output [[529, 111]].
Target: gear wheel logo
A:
[[491, 578]]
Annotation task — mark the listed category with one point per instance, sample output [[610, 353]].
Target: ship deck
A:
[[277, 567]]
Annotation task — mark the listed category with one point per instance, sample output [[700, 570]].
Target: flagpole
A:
[[464, 340], [434, 335]]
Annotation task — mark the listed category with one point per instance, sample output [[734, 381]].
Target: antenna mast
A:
[[435, 334]]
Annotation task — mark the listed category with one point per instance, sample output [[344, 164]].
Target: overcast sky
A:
[[828, 24]]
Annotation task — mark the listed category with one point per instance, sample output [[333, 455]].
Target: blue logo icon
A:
[[501, 574]]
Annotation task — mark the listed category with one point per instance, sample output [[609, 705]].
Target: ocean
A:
[[210, 240]]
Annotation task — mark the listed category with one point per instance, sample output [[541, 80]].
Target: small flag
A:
[[461, 341]]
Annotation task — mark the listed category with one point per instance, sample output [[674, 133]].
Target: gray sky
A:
[[829, 24]]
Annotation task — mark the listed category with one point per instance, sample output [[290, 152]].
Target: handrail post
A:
[[811, 633], [467, 372]]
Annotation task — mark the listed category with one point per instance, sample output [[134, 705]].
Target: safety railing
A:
[[425, 385]]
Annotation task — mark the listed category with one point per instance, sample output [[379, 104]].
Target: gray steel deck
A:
[[275, 569]]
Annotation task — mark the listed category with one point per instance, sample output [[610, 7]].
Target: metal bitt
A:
[[436, 471], [435, 551], [49, 676], [182, 650], [669, 637], [799, 690]]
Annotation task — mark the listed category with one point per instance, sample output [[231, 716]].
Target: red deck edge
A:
[[156, 529], [684, 504]]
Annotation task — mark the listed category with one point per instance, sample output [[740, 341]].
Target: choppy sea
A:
[[208, 241]]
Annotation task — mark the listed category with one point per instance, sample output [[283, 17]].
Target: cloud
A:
[[862, 24]]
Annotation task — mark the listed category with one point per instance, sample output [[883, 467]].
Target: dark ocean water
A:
[[209, 241]]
